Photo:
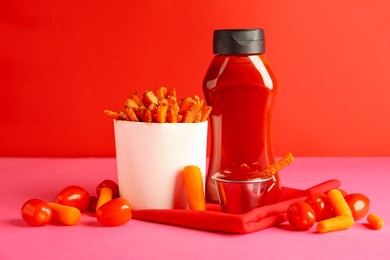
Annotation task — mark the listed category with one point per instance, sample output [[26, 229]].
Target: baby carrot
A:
[[66, 215], [105, 195], [338, 203], [335, 223], [374, 221], [193, 184]]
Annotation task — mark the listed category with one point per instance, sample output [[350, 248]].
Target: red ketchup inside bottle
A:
[[241, 88]]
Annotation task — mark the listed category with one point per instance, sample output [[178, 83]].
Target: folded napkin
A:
[[213, 219]]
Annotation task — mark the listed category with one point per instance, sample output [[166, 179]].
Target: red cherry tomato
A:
[[92, 203], [321, 206], [114, 213], [74, 196], [359, 205], [301, 216], [36, 212], [112, 185]]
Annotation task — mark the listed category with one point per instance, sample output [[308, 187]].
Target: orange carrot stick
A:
[[105, 195], [375, 222], [193, 183], [335, 223], [66, 215], [338, 203]]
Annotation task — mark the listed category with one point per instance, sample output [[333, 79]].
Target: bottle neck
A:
[[239, 54]]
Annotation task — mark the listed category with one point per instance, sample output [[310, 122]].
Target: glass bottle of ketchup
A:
[[241, 87]]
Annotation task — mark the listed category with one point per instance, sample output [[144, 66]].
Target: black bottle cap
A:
[[238, 41]]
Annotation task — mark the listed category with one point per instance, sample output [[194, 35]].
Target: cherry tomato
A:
[[36, 212], [359, 205], [321, 206], [74, 196], [92, 203], [112, 185], [301, 215], [114, 213]]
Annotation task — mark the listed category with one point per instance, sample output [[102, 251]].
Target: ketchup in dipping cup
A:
[[240, 190]]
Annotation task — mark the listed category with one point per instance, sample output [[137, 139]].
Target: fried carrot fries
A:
[[162, 106], [277, 166]]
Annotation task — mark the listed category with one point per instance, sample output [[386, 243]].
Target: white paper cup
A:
[[150, 158]]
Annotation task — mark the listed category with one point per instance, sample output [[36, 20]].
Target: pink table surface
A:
[[25, 178]]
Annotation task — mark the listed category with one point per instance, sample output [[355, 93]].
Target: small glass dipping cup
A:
[[238, 196]]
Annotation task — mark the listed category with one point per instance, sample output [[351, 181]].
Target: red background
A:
[[63, 62]]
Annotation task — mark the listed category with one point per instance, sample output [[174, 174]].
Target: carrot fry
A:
[[137, 99], [149, 98], [161, 114], [338, 203], [172, 92], [66, 215], [206, 110], [123, 115], [375, 222], [113, 114], [187, 104], [171, 116], [161, 92], [131, 114], [188, 116], [131, 103], [335, 223], [105, 195], [148, 116], [172, 101], [277, 166], [193, 183], [140, 112], [163, 102]]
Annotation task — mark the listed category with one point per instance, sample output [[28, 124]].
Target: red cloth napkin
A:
[[214, 220]]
